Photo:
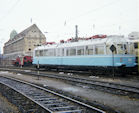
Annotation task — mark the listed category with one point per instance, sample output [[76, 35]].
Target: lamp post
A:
[[38, 65], [22, 58], [138, 56]]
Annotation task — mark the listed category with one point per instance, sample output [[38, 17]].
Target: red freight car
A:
[[23, 61]]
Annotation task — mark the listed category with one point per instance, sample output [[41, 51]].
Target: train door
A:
[[60, 54]]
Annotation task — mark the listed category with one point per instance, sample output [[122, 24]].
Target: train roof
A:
[[132, 41], [99, 41]]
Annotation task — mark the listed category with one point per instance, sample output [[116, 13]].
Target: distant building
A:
[[23, 43]]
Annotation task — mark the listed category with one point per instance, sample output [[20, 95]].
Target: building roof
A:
[[21, 34], [24, 32]]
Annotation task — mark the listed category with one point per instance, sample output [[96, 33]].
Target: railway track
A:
[[30, 98], [134, 73], [113, 88]]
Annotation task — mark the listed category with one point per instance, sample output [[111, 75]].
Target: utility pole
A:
[[76, 32]]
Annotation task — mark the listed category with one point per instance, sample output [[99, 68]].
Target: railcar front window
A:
[[120, 48], [108, 51], [135, 45], [131, 45]]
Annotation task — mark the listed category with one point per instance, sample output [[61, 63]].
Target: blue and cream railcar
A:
[[86, 55]]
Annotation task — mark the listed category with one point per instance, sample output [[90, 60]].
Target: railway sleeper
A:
[[71, 111], [64, 108], [44, 99], [23, 104]]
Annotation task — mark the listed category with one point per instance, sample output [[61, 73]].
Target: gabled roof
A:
[[24, 32]]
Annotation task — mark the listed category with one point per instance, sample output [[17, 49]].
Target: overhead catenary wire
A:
[[67, 22], [10, 10]]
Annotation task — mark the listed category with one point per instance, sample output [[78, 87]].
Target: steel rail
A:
[[100, 84], [62, 96]]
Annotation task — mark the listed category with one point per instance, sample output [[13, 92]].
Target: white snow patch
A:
[[4, 72], [44, 85], [86, 87], [70, 89], [93, 77], [19, 74], [61, 72], [69, 73], [27, 70]]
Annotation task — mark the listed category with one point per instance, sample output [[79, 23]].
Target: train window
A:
[[72, 51], [37, 53], [45, 53], [89, 50], [58, 52], [51, 52], [68, 52], [62, 51], [99, 49], [80, 50], [41, 52], [120, 48]]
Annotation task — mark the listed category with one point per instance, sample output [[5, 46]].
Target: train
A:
[[23, 61], [99, 54]]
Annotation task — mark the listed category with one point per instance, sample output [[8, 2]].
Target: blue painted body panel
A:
[[89, 60]]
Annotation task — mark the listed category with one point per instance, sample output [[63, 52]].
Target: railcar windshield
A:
[[121, 49]]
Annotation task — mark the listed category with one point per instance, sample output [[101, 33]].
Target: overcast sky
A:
[[59, 17]]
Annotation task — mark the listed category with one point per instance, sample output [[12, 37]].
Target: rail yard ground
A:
[[6, 107], [119, 103]]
